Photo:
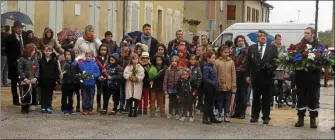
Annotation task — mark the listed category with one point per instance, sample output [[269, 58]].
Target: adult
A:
[[48, 41], [307, 90], [31, 37], [112, 46], [89, 42], [239, 54], [174, 43], [69, 41], [4, 65], [194, 44], [14, 46], [204, 39], [260, 64], [148, 40]]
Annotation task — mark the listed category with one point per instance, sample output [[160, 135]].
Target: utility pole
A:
[[316, 17]]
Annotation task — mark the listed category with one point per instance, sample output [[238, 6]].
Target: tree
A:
[[325, 37]]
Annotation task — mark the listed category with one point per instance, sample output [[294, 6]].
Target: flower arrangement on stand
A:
[[84, 76], [304, 57]]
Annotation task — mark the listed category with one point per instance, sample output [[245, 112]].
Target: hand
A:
[[109, 77], [33, 81], [165, 92], [285, 75], [234, 90], [248, 80], [101, 78], [61, 76], [178, 97]]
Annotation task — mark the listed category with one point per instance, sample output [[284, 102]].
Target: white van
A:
[[291, 33]]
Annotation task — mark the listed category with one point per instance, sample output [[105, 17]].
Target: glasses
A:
[[240, 40], [260, 35], [161, 49]]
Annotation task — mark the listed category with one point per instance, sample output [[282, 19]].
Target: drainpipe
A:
[[243, 10], [124, 17]]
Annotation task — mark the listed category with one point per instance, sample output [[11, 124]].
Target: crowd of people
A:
[[140, 72]]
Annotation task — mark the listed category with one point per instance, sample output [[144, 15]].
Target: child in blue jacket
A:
[[89, 66]]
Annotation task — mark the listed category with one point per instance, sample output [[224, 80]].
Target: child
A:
[[77, 82], [90, 66], [101, 82], [115, 75], [134, 75], [166, 58], [210, 85], [196, 76], [125, 60], [28, 69], [49, 73], [172, 75], [185, 95], [145, 63], [226, 73], [157, 92], [68, 87], [138, 49], [182, 53]]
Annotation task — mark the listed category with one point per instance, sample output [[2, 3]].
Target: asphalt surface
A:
[[35, 125]]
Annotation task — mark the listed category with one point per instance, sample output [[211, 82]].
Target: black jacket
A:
[[261, 70], [184, 90], [112, 46], [69, 77], [49, 72], [153, 46], [3, 46], [28, 68], [158, 81], [66, 44]]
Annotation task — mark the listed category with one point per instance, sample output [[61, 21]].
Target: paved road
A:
[[36, 125]]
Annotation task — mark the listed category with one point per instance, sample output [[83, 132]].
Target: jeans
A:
[[88, 98], [4, 70], [67, 97], [173, 104], [222, 98], [46, 96]]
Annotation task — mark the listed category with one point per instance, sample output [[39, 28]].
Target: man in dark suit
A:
[[14, 47], [148, 40], [260, 65]]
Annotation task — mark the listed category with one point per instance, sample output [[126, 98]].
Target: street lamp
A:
[[298, 15]]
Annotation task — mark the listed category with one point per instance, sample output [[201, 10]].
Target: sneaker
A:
[[157, 109], [49, 111], [32, 108], [177, 117], [169, 116], [65, 112], [197, 112], [182, 118], [43, 110], [220, 119], [84, 113], [226, 118], [90, 112], [191, 119], [71, 112]]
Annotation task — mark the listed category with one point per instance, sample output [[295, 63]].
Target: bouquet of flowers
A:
[[304, 57], [134, 73], [84, 76]]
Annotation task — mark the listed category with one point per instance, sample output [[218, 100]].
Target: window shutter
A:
[[221, 5], [231, 12], [134, 17], [169, 26], [148, 14], [177, 21]]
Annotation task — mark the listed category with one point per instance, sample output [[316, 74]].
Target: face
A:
[[124, 53], [179, 35], [278, 40], [103, 51], [139, 51], [225, 53], [212, 59], [145, 60], [193, 61], [261, 37], [159, 61], [18, 30], [48, 34], [147, 30], [185, 75], [209, 49], [180, 54], [88, 57], [203, 39], [70, 36], [76, 53], [109, 37], [198, 51], [174, 63], [161, 49], [31, 35], [67, 55], [32, 52], [90, 32], [112, 60], [134, 60], [47, 52], [240, 42], [308, 34]]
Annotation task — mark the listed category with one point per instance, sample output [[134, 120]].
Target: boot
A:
[[152, 112], [206, 121], [226, 118], [300, 122], [130, 108], [313, 122], [99, 107]]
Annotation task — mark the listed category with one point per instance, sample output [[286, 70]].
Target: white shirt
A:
[[263, 49], [85, 46]]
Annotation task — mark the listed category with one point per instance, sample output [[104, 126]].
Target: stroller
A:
[[284, 92]]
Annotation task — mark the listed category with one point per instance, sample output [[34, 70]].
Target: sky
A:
[[284, 11]]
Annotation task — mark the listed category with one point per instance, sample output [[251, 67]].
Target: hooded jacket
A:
[[226, 74], [49, 42], [69, 77], [112, 46], [209, 76], [159, 76], [184, 90], [49, 71], [171, 77], [115, 71], [196, 76], [92, 68], [314, 75]]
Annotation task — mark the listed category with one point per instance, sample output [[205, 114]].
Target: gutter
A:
[[124, 17]]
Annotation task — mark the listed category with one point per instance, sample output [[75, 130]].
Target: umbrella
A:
[[17, 16], [63, 34], [253, 37], [135, 33]]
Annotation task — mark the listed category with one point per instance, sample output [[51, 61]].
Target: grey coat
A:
[[25, 68]]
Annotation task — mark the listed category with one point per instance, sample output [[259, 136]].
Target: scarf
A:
[[239, 50], [88, 37], [146, 39]]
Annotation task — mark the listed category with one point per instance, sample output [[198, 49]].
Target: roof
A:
[[267, 26], [266, 4]]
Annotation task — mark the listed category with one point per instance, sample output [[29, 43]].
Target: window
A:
[[253, 18], [177, 21], [3, 6], [257, 15], [134, 16], [169, 25], [222, 39], [221, 6], [148, 15], [231, 12], [248, 13]]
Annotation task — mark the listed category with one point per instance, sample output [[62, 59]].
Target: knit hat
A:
[[144, 47], [145, 55], [116, 56]]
